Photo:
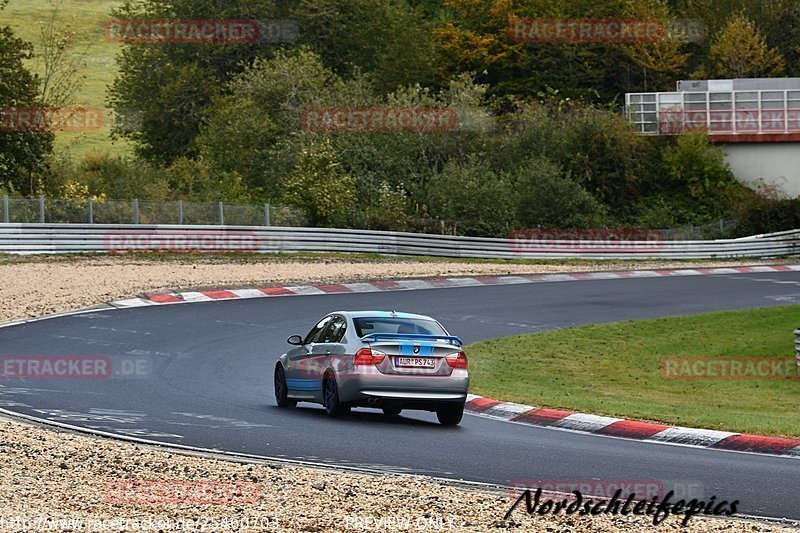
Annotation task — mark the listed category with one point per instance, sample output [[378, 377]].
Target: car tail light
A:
[[367, 357], [457, 360]]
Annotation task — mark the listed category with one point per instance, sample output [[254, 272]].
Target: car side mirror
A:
[[295, 340]]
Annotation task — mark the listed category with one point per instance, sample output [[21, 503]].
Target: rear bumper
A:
[[419, 392]]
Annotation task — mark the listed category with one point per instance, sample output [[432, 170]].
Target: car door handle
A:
[[327, 352]]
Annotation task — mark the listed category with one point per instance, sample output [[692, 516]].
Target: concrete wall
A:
[[774, 163]]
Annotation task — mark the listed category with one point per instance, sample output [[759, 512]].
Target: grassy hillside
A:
[[87, 19]]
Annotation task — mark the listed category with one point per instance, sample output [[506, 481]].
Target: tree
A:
[[22, 153], [740, 51], [476, 37], [389, 40], [319, 185], [169, 85], [663, 60], [57, 61], [254, 128], [697, 165]]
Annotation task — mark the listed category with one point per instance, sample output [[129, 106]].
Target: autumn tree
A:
[[740, 51], [662, 60]]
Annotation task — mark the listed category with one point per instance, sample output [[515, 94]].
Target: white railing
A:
[[85, 238], [717, 112]]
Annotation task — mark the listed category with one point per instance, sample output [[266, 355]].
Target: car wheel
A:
[[392, 411], [330, 395], [450, 415], [281, 389]]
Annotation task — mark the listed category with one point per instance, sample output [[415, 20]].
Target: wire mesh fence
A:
[[94, 211]]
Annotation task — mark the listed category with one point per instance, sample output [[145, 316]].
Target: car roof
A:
[[381, 314]]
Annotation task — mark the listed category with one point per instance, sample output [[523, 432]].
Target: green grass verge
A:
[[613, 370], [96, 55]]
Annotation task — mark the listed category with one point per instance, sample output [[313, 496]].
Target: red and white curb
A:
[[631, 429], [428, 283]]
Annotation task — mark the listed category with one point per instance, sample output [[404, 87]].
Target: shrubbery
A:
[[507, 165]]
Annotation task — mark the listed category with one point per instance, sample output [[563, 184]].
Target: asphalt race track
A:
[[209, 385]]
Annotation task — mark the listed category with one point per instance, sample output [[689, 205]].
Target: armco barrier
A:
[[96, 238]]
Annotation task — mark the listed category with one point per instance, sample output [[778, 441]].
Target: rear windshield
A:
[[405, 326]]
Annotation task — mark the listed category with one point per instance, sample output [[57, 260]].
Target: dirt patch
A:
[[33, 287], [59, 481]]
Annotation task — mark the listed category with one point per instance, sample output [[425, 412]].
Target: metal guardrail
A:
[[96, 238]]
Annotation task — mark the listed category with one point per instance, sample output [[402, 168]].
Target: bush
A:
[[479, 200], [767, 212], [320, 186], [698, 166], [546, 198]]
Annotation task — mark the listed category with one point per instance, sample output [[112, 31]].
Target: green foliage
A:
[[698, 166], [195, 179], [539, 140], [473, 195], [120, 178], [255, 130], [23, 154], [171, 84], [596, 148], [319, 185], [766, 211], [547, 198], [390, 41]]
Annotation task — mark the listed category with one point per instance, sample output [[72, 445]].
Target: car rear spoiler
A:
[[374, 337]]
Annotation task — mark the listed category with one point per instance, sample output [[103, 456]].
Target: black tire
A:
[[281, 389], [330, 398], [450, 415], [392, 411]]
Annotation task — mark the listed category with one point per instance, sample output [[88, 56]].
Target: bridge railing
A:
[[716, 112]]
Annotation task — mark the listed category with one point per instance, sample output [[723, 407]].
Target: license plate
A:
[[415, 362]]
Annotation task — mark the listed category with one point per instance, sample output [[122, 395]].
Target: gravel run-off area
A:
[[54, 480]]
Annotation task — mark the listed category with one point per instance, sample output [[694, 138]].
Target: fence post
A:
[[797, 346], [136, 211], [5, 209], [266, 214], [180, 212], [41, 209], [221, 214], [91, 211]]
